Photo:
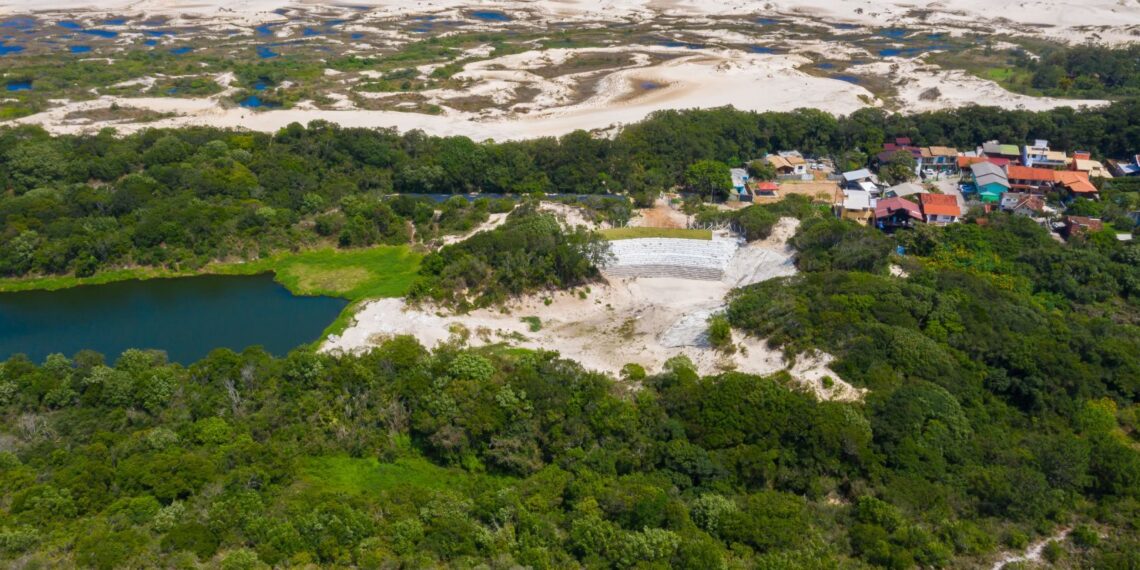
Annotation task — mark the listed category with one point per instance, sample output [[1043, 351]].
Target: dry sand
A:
[[713, 78], [1067, 20], [642, 321]]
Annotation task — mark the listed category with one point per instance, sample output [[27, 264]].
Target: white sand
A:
[[695, 79], [705, 80], [643, 321]]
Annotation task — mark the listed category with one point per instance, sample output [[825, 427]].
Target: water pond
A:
[[186, 317]]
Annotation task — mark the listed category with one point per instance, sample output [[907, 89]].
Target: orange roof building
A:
[[939, 208], [1029, 178], [1076, 182]]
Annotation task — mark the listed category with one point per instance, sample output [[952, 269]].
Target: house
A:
[[762, 190], [739, 181], [1040, 156], [1080, 225], [904, 190], [939, 208], [861, 179], [940, 159], [1077, 183], [894, 213], [1029, 179], [1024, 204], [965, 162], [788, 163], [857, 206], [1123, 168], [994, 149], [1083, 162], [989, 180]]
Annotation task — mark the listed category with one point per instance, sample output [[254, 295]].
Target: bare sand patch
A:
[[642, 321]]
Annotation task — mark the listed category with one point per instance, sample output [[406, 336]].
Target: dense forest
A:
[[183, 198], [1002, 379], [1085, 71]]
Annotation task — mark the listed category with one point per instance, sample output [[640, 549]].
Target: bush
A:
[[720, 332]]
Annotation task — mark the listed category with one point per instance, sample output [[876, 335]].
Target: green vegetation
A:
[[180, 200], [534, 323], [530, 252], [1003, 405], [613, 234], [1002, 373], [1056, 70]]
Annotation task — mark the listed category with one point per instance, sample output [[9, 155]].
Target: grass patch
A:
[[357, 274], [636, 233], [534, 323], [367, 475], [383, 271]]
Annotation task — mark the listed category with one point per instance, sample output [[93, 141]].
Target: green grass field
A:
[[383, 271], [636, 233]]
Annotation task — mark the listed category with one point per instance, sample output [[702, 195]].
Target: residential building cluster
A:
[[1021, 179]]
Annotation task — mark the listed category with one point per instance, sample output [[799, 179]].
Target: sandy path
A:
[[1032, 554]]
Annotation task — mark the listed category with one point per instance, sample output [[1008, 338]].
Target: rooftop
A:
[[939, 205]]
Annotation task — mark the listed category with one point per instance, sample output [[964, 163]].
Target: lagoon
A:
[[187, 317]]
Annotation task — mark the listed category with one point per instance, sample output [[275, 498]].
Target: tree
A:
[[899, 169], [761, 170], [709, 178]]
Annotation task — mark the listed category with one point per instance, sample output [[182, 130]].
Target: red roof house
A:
[[939, 208]]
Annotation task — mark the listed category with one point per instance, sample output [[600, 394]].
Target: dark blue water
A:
[[760, 49], [894, 33], [115, 22], [650, 85], [7, 49], [181, 50], [848, 78], [263, 30], [69, 25], [108, 34], [825, 65], [767, 21], [356, 35], [845, 26], [19, 86], [159, 33], [309, 32], [260, 86], [255, 102], [890, 52], [79, 49], [266, 52], [490, 16], [150, 42], [186, 317], [676, 44]]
